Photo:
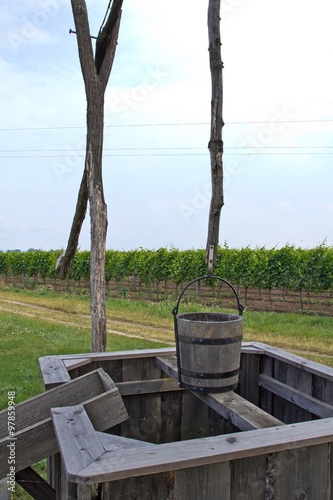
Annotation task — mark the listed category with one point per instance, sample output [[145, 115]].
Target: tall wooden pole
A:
[[215, 145]]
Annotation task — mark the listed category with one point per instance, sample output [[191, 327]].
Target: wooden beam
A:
[[73, 392], [77, 439], [147, 386], [294, 360], [199, 452], [54, 371], [35, 438], [71, 364], [111, 442], [35, 485], [243, 414], [115, 355], [309, 403]]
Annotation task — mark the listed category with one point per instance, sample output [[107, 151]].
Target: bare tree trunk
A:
[[96, 72], [215, 145], [65, 260], [98, 220]]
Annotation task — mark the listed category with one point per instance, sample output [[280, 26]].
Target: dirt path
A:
[[81, 325], [81, 315]]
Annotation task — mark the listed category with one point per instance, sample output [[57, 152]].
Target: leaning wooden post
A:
[[215, 145]]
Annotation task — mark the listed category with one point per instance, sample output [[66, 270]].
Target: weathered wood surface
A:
[[4, 492], [199, 452], [54, 372], [309, 403], [35, 438], [297, 361], [38, 408], [243, 414], [147, 386], [144, 412], [249, 376], [72, 364], [304, 473], [91, 361], [35, 485], [77, 439]]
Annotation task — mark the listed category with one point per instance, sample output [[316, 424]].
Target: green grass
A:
[[25, 339]]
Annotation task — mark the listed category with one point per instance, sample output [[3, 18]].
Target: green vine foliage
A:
[[289, 268]]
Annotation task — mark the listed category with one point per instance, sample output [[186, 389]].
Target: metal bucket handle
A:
[[175, 312], [240, 306]]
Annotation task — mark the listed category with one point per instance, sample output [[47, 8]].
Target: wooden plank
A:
[[209, 482], [171, 411], [38, 408], [4, 492], [54, 371], [249, 377], [68, 490], [72, 364], [309, 403], [243, 414], [265, 397], [302, 381], [77, 439], [248, 478], [322, 389], [282, 408], [114, 355], [38, 441], [35, 485], [112, 442], [144, 411], [303, 473], [86, 492], [194, 418], [199, 452], [294, 360], [155, 487], [220, 425], [147, 386], [54, 473]]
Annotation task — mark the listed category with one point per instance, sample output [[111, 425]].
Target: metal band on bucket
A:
[[210, 341], [214, 375], [196, 388]]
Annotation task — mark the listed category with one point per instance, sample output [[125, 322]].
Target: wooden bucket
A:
[[208, 348]]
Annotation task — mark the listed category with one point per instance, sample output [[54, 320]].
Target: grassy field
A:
[[39, 323]]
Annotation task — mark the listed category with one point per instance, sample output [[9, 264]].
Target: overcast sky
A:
[[278, 133]]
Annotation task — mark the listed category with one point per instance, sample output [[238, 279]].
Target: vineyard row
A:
[[286, 268]]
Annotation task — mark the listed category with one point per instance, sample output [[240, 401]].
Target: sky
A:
[[278, 133]]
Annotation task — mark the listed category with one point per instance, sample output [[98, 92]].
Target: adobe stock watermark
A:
[[128, 101], [277, 124], [201, 197], [11, 446], [250, 148], [33, 26], [123, 106]]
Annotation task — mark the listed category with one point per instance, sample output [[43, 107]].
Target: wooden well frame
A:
[[273, 438]]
